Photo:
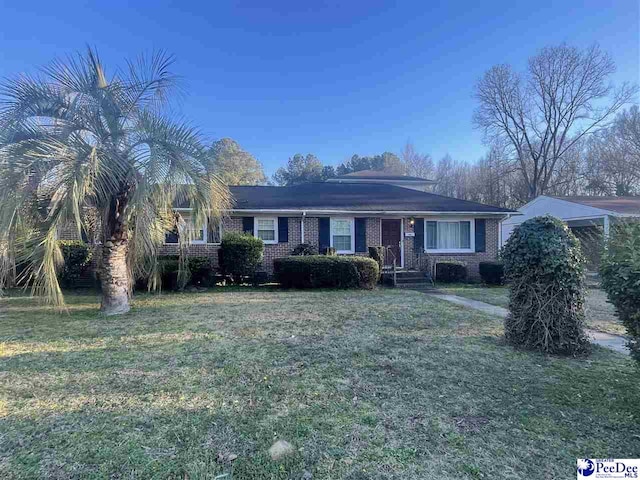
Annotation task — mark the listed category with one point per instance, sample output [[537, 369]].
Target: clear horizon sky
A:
[[329, 78]]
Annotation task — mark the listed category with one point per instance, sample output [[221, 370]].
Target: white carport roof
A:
[[615, 205], [572, 209]]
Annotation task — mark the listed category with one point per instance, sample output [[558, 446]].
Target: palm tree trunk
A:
[[114, 277]]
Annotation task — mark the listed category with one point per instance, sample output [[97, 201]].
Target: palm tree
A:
[[73, 140]]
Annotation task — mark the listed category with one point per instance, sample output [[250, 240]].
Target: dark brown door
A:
[[391, 236]]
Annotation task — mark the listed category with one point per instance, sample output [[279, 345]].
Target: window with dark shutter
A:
[[283, 229], [481, 235], [247, 225], [324, 231], [418, 240], [361, 234]]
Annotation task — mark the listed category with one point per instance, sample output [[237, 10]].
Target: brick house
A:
[[351, 213]]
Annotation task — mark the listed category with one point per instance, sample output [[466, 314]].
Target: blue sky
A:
[[321, 77]]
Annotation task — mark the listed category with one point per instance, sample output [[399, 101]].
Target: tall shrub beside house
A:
[[240, 255], [545, 268], [620, 270]]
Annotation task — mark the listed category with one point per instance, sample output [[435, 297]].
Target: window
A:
[[195, 232], [198, 234], [449, 236], [342, 235], [214, 232], [266, 229]]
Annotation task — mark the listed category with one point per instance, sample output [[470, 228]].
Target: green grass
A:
[[600, 314], [494, 295], [385, 384]]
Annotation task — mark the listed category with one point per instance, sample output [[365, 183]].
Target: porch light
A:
[[412, 221]]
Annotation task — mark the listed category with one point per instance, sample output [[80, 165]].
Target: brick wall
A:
[[271, 252], [233, 224], [471, 260], [310, 231], [373, 232]]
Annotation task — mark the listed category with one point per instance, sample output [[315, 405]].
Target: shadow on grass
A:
[[375, 386]]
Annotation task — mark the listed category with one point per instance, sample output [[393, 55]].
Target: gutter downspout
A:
[[304, 213]]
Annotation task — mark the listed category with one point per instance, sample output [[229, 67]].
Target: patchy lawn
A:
[[600, 314], [366, 385], [493, 295]]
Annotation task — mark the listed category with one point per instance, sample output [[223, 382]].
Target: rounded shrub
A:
[[77, 258], [450, 272], [322, 271], [620, 271], [240, 254], [492, 273], [545, 268], [201, 271]]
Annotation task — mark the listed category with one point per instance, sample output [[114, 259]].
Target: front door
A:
[[391, 238]]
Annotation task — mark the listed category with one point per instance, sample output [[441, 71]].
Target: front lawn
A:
[[386, 384], [600, 314]]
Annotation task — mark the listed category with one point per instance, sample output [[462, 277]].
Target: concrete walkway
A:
[[612, 342]]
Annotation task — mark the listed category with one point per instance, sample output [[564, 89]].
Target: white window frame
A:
[[205, 232], [352, 221], [187, 218], [472, 234], [275, 229]]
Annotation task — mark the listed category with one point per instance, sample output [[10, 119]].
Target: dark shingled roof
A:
[[351, 196], [614, 204], [379, 175]]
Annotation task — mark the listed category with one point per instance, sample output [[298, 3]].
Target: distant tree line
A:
[[557, 128]]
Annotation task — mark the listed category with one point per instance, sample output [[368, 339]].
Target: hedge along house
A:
[[350, 216]]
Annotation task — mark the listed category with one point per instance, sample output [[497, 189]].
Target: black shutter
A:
[[481, 235], [418, 240], [361, 234], [283, 229], [323, 234], [247, 225]]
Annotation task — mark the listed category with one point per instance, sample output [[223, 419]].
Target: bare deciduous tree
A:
[[417, 164], [612, 157], [563, 96]]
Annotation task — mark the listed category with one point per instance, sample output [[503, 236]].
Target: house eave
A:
[[356, 212]]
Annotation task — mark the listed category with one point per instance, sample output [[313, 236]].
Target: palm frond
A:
[[76, 138]]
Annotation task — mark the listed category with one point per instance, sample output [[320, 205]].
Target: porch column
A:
[[607, 226]]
